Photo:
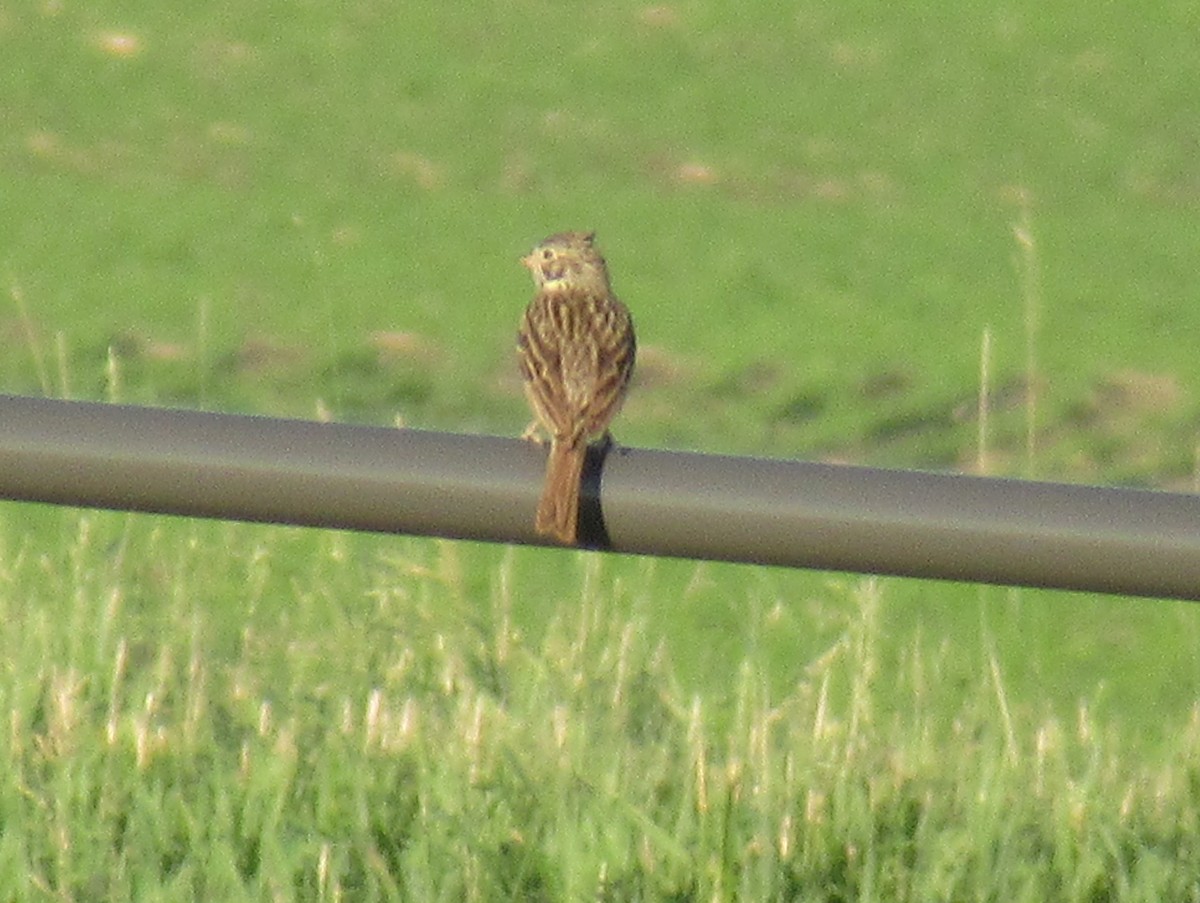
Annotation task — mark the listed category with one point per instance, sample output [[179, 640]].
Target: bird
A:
[[576, 349]]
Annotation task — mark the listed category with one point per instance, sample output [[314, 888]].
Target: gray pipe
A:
[[790, 513]]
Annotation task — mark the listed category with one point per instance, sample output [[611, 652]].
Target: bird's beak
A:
[[527, 261]]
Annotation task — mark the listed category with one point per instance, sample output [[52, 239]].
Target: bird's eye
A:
[[547, 254]]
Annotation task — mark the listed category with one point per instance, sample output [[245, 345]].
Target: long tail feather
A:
[[558, 510]]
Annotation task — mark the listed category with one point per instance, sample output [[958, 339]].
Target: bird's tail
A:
[[558, 510]]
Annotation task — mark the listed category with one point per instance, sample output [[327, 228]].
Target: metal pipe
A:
[[791, 513]]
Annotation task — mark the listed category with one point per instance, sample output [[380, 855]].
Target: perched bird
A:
[[576, 349]]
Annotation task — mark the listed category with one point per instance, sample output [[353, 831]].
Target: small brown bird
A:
[[576, 349]]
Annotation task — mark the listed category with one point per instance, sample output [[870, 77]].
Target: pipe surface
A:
[[760, 511]]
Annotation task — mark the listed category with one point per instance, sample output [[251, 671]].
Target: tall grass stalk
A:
[[984, 405], [1030, 279], [30, 335]]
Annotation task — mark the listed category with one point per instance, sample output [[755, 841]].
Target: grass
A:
[[306, 193], [816, 217], [425, 746]]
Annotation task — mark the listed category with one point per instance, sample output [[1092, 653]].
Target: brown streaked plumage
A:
[[576, 350]]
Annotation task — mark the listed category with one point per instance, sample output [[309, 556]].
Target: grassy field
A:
[[377, 727], [816, 217]]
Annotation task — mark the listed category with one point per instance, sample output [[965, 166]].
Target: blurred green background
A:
[[816, 212]]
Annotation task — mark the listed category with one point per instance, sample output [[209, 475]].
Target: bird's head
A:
[[568, 260]]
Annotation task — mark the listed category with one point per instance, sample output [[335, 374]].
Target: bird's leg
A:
[[534, 433]]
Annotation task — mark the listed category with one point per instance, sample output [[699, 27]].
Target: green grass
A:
[[415, 742], [300, 180], [288, 208]]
